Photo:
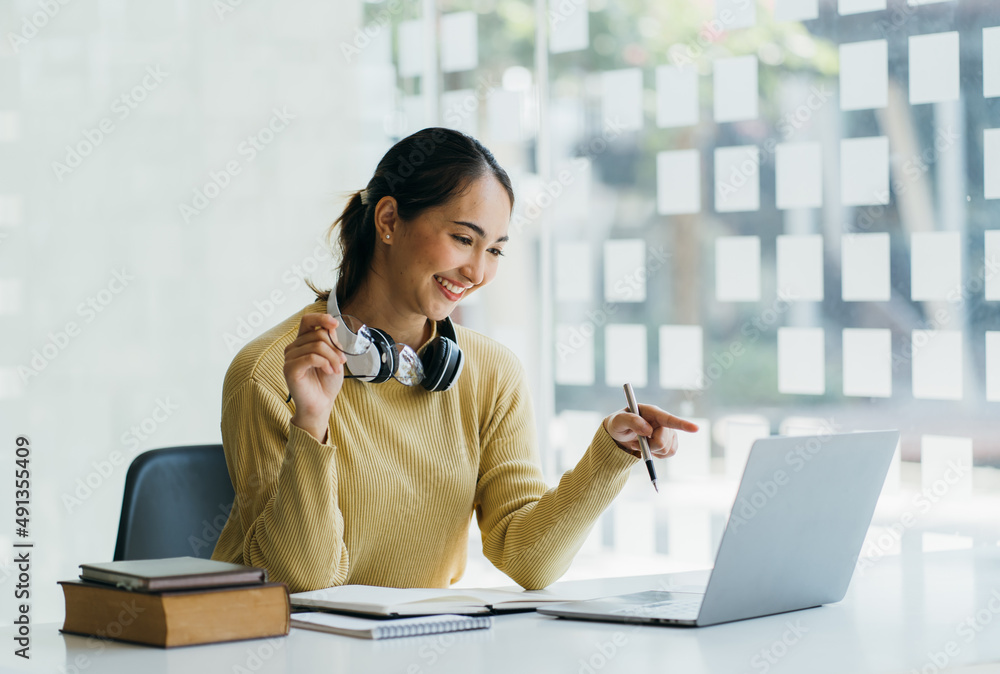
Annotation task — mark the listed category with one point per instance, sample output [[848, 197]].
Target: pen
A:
[[633, 407]]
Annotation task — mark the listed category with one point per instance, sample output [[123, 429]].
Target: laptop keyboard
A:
[[675, 609]]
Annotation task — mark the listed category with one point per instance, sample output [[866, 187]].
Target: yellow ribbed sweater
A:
[[388, 499]]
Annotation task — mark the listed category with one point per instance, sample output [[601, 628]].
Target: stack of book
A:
[[176, 601]]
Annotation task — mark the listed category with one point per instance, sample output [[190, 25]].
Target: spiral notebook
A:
[[388, 629]]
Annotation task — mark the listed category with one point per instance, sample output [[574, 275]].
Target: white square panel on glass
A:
[[625, 355], [937, 364], [635, 528], [503, 109], [625, 270], [569, 27], [459, 42], [410, 38], [681, 357], [935, 265], [991, 62], [736, 13], [678, 182], [575, 354], [740, 434], [799, 175], [12, 296], [800, 267], [693, 458], [737, 178], [845, 7], [801, 361], [573, 431], [992, 265], [867, 362], [991, 166], [993, 366], [11, 385], [676, 95], [946, 466], [864, 267], [914, 3], [796, 10], [934, 68], [864, 171], [737, 268], [735, 87], [864, 75], [621, 101], [11, 210], [460, 111], [10, 126], [574, 274]]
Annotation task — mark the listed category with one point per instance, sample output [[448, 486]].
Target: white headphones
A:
[[442, 359]]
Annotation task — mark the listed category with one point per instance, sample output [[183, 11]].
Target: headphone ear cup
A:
[[388, 356], [442, 360]]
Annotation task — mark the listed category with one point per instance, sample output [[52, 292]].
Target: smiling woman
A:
[[375, 484]]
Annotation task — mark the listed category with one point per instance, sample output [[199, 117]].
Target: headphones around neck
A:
[[441, 358]]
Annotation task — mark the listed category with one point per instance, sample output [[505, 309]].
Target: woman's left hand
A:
[[655, 424]]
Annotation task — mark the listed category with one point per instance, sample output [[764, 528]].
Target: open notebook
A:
[[392, 602]]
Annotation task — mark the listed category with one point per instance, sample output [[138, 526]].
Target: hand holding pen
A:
[[649, 425]]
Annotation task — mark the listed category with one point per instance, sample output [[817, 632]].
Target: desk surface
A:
[[903, 613]]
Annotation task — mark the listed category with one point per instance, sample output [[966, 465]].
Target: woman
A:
[[375, 484]]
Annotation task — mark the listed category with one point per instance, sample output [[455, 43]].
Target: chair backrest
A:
[[177, 499]]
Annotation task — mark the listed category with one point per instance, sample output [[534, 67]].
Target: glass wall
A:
[[771, 217]]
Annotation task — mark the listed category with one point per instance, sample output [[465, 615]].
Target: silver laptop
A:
[[792, 540]]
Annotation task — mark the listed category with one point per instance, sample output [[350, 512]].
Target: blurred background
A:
[[770, 217]]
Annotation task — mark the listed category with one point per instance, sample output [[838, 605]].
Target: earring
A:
[[387, 236]]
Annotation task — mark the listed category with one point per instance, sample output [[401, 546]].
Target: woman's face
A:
[[450, 251]]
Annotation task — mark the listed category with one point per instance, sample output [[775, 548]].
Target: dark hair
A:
[[423, 170]]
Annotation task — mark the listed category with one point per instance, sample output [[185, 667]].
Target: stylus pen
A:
[[633, 407]]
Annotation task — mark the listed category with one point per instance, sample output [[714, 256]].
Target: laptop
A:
[[793, 537]]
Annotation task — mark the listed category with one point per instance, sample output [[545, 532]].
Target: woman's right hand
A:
[[314, 373]]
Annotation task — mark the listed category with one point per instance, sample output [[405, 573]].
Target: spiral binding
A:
[[416, 629]]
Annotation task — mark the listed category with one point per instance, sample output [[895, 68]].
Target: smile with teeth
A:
[[451, 287]]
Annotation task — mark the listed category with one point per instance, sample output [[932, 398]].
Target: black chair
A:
[[177, 500]]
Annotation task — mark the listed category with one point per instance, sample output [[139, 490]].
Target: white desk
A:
[[895, 615]]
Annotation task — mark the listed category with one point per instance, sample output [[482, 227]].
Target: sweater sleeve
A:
[[286, 490], [531, 532]]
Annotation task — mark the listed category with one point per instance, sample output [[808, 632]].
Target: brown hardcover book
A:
[[171, 573], [176, 618]]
